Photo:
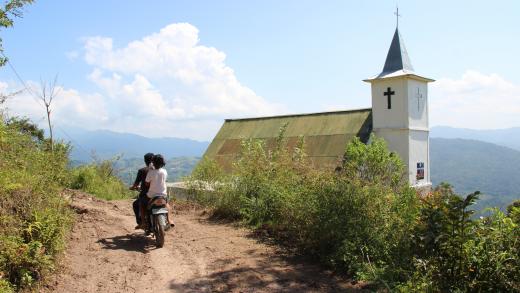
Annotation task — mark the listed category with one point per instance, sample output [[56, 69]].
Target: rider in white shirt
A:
[[156, 178]]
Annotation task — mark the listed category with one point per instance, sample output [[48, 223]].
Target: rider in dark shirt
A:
[[140, 182]]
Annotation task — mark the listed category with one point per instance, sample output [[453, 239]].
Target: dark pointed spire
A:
[[397, 57]]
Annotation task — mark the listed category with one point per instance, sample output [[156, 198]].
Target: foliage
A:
[[454, 252], [33, 216], [26, 126], [349, 219], [204, 180], [373, 163], [99, 179], [513, 211], [364, 218]]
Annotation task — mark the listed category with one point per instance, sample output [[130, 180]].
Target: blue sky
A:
[[223, 59]]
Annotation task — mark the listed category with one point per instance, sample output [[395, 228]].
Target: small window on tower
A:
[[420, 171]]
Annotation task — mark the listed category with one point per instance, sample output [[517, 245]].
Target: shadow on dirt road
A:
[[129, 242]]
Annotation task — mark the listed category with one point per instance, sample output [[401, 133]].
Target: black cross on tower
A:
[[389, 92]]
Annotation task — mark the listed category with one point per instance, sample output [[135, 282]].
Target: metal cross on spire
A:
[[397, 15]]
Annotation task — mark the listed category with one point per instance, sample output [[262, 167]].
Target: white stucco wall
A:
[[397, 117], [417, 107], [419, 152], [397, 141], [405, 126]]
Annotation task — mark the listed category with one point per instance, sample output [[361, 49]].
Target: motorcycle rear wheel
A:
[[159, 223]]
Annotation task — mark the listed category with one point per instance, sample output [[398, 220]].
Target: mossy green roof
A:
[[326, 134]]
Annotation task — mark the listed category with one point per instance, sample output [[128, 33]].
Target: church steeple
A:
[[397, 57], [400, 111]]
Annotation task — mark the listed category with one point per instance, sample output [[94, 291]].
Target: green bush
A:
[[455, 252], [363, 218], [5, 286], [34, 217], [99, 179], [513, 211], [349, 219], [203, 182]]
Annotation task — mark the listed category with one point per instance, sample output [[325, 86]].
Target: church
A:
[[399, 114]]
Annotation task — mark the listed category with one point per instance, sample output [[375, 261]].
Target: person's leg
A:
[[168, 216], [136, 207], [143, 205]]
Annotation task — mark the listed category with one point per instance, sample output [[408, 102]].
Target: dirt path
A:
[[105, 254]]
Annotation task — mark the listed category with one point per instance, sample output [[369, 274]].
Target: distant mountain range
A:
[[485, 160], [104, 144], [471, 165], [509, 137]]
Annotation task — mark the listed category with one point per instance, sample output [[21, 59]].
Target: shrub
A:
[[33, 216], [203, 182], [99, 179], [513, 211], [365, 219], [455, 252], [349, 219]]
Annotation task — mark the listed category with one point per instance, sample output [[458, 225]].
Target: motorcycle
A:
[[157, 214], [156, 218]]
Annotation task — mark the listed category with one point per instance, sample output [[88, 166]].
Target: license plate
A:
[[160, 211]]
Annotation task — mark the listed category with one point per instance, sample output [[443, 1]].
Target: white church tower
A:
[[400, 112]]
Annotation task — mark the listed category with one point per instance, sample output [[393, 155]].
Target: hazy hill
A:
[[177, 168], [106, 144], [471, 165], [509, 137]]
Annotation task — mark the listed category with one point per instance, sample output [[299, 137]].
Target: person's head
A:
[[148, 158], [158, 161]]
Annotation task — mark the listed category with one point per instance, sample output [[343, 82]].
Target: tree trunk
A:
[[50, 127]]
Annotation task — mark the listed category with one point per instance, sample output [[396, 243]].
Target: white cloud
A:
[[165, 84], [172, 80], [68, 108], [476, 100], [72, 55]]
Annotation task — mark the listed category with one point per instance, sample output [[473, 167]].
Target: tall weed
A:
[[346, 218], [363, 218], [99, 179], [33, 216]]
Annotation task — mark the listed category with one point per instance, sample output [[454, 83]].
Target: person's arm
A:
[[164, 177], [148, 179], [135, 186]]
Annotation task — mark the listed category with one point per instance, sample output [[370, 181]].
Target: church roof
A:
[[325, 134], [397, 57], [398, 62]]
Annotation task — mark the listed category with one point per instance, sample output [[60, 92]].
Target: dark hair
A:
[[148, 158], [158, 161]]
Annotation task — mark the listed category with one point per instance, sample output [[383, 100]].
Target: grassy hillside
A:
[[471, 165], [34, 218]]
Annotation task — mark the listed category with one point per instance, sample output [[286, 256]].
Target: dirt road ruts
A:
[[106, 254]]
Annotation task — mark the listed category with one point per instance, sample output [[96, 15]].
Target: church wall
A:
[[417, 104], [419, 144], [397, 116], [397, 141]]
